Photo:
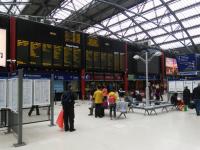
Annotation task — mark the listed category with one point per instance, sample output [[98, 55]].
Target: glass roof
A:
[[13, 7], [168, 23], [68, 7]]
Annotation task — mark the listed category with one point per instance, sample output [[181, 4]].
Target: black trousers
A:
[[112, 109], [98, 110], [68, 117], [32, 108]]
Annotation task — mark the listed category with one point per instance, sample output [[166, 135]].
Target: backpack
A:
[[111, 99]]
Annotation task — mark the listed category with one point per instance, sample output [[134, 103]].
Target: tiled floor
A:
[[166, 131]]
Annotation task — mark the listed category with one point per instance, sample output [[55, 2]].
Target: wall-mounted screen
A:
[[171, 66], [46, 54], [35, 53], [3, 47], [68, 56], [76, 58], [22, 52], [57, 55], [89, 59]]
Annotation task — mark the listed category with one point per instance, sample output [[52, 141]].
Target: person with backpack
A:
[[112, 103], [68, 101]]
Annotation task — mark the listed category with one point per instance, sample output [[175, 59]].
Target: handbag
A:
[[60, 120]]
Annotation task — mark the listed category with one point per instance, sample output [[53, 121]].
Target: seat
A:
[[122, 108]]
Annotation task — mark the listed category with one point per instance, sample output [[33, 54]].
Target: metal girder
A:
[[122, 8], [180, 23], [43, 5]]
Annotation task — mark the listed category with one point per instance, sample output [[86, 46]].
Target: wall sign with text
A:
[[3, 47]]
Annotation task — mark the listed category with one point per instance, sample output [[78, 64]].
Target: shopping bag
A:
[[60, 120]]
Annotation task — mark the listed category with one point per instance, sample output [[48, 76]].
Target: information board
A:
[[46, 54], [57, 55], [3, 47], [116, 61], [189, 85], [76, 37], [27, 93], [179, 86], [110, 64], [68, 56], [89, 59], [122, 62], [186, 62], [91, 41], [68, 36], [172, 86], [76, 58], [97, 59], [41, 92], [104, 60], [35, 53], [3, 86], [22, 52]]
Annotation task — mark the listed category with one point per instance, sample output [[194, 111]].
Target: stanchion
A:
[[52, 101]]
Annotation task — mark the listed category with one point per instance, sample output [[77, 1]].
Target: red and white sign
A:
[[3, 47]]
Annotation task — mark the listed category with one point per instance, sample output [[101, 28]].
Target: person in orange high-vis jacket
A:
[[112, 103]]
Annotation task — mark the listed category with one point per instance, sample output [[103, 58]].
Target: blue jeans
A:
[[197, 106]]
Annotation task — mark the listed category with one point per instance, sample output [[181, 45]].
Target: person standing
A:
[[68, 102], [196, 98], [186, 96], [98, 100], [112, 103]]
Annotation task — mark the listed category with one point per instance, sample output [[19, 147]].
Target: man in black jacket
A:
[[68, 107], [196, 98], [186, 96]]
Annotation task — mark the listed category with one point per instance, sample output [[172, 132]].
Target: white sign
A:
[[3, 47], [41, 92], [3, 83], [27, 93], [172, 86], [179, 86], [195, 83], [189, 85], [9, 97]]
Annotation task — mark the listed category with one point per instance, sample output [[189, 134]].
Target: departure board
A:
[[97, 59], [76, 58], [46, 54], [67, 56], [35, 53], [76, 37], [104, 60], [22, 52], [89, 59], [122, 61], [116, 61], [91, 41], [110, 61], [57, 55], [68, 36]]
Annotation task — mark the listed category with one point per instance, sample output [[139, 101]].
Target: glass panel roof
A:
[[67, 8], [168, 30]]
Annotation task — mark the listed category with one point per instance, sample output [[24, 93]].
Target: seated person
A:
[[138, 97], [174, 99]]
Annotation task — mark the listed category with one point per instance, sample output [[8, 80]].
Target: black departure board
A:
[[97, 59], [110, 61], [22, 52], [91, 41], [73, 37], [68, 56], [35, 53], [116, 61], [57, 55], [68, 36], [47, 54], [76, 38], [89, 59], [104, 60], [76, 58], [122, 62]]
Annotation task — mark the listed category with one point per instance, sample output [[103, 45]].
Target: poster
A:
[[46, 54], [3, 86], [41, 92], [172, 86], [179, 86], [22, 52], [15, 94], [35, 53], [189, 85], [3, 47], [27, 93]]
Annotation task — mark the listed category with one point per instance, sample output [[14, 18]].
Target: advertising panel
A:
[[3, 47]]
